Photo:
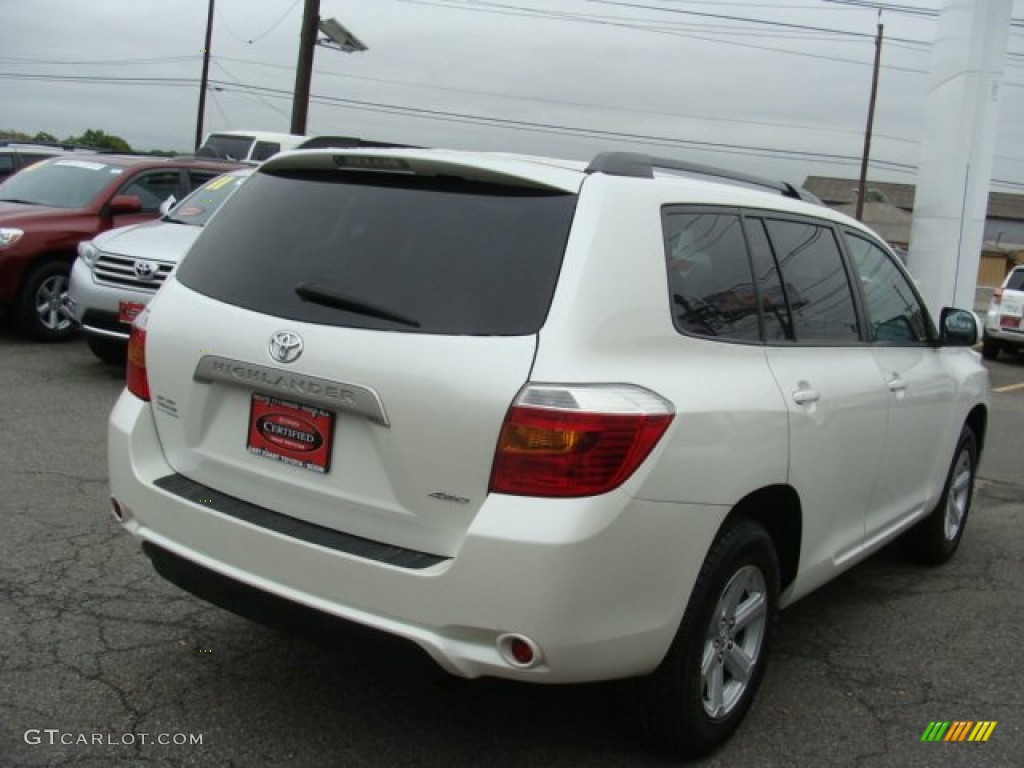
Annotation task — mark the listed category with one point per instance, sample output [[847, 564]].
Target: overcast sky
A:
[[774, 88]]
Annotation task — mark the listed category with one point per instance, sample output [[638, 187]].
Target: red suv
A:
[[48, 208]]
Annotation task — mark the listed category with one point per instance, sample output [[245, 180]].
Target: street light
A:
[[336, 34]]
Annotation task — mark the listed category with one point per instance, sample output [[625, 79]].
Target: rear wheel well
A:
[[776, 508]]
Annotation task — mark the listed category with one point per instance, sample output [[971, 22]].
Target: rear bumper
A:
[[598, 585], [1005, 335]]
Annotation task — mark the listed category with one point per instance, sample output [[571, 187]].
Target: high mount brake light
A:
[[135, 372], [570, 441]]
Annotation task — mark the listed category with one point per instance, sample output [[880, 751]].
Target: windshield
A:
[[386, 252], [197, 208], [59, 183], [229, 147]]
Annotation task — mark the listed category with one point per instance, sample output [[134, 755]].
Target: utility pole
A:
[[205, 77], [304, 68], [862, 189]]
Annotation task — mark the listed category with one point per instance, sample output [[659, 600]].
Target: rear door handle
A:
[[806, 395]]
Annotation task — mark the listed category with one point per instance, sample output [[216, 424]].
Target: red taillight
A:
[[135, 372], [565, 441], [997, 296]]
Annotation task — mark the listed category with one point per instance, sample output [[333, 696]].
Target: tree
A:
[[97, 139]]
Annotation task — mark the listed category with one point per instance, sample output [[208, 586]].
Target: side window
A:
[[6, 163], [153, 188], [265, 149], [817, 287], [197, 178], [894, 313], [709, 277]]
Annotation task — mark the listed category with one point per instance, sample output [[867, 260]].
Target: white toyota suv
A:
[[1004, 321], [550, 421]]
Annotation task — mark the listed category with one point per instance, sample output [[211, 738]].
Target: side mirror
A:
[[166, 205], [959, 328], [125, 204]]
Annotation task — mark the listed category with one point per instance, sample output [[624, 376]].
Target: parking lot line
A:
[[1009, 388]]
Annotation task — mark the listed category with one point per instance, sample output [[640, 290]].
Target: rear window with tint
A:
[[399, 253], [1016, 281]]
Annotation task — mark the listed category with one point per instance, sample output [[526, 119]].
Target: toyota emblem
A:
[[285, 346], [145, 270]]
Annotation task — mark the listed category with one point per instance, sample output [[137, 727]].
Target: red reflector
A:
[[135, 372], [521, 651], [566, 453]]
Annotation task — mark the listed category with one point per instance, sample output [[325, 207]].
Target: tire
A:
[[697, 697], [935, 539], [111, 351], [989, 348], [41, 311]]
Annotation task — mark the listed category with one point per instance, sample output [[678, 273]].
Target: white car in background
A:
[[117, 273], [1004, 321]]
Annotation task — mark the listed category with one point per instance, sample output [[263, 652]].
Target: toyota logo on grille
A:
[[285, 346], [145, 270]]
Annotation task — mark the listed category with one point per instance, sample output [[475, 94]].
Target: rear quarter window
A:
[[398, 253], [1016, 281]]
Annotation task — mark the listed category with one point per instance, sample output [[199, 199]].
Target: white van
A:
[[248, 146]]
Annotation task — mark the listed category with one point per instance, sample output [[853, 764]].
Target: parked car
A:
[[50, 207], [15, 155], [251, 147], [1004, 329], [117, 273], [550, 421]]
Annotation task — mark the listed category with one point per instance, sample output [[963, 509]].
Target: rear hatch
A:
[[342, 343], [1009, 303]]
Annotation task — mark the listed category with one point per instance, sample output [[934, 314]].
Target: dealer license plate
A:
[[290, 432]]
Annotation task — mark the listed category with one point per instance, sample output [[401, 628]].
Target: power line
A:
[[567, 103], [263, 34], [751, 20], [503, 10]]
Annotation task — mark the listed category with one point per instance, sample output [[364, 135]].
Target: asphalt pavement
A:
[[102, 663]]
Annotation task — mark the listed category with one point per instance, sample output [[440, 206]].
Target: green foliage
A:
[[97, 139], [93, 138]]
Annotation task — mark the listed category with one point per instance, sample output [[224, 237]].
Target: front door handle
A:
[[896, 383]]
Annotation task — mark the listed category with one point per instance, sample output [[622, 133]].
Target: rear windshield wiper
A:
[[16, 200], [318, 294]]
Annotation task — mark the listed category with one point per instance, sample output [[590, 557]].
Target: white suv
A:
[[1004, 321], [551, 422]]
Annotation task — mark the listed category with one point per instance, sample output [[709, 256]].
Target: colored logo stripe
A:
[[958, 730], [982, 731], [935, 731]]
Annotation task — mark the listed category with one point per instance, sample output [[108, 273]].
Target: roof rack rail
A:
[[639, 165]]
